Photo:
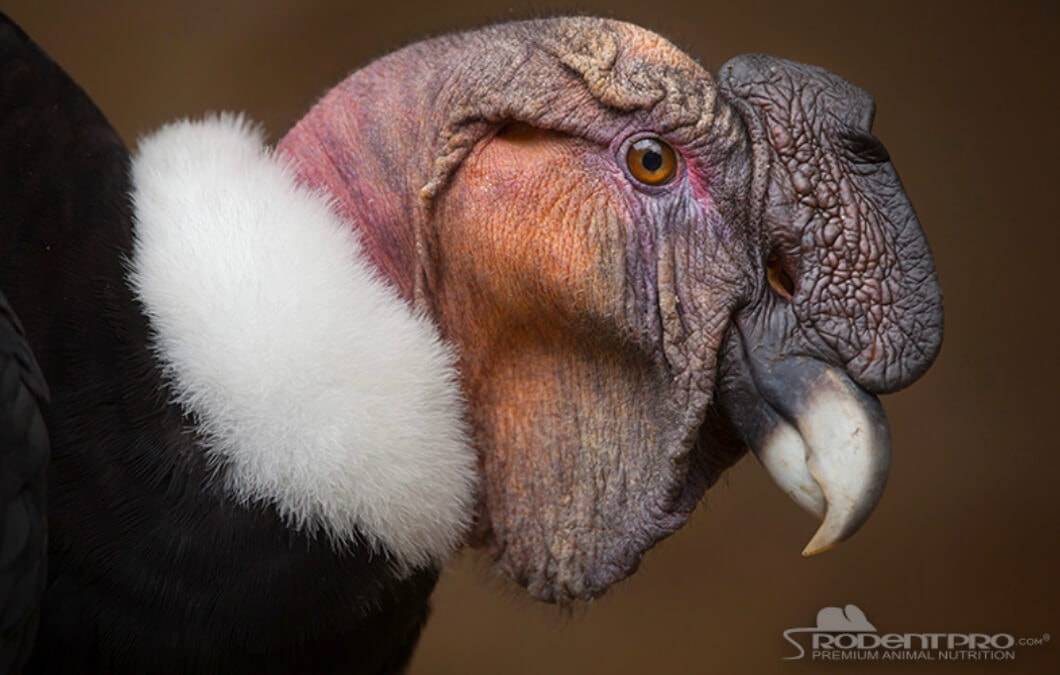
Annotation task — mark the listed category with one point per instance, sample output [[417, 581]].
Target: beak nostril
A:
[[779, 278]]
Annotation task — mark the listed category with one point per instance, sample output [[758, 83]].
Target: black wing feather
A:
[[24, 452]]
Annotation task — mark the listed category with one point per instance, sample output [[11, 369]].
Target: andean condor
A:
[[530, 288]]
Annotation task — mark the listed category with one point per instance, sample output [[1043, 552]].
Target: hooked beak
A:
[[822, 438], [829, 447]]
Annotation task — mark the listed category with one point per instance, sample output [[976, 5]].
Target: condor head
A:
[[643, 270]]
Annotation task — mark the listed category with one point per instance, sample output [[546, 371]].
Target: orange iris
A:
[[651, 161]]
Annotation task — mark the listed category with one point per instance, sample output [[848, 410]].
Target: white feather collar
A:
[[319, 389]]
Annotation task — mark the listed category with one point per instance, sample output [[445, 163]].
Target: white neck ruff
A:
[[313, 383]]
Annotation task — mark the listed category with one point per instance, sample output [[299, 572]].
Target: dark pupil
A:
[[652, 161]]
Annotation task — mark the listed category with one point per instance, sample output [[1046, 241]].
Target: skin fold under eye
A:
[[651, 161]]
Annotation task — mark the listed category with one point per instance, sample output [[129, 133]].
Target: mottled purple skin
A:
[[595, 317], [833, 208]]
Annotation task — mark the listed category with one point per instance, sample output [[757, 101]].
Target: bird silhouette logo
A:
[[848, 619]]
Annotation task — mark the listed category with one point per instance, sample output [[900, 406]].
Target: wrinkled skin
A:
[[617, 341], [833, 210]]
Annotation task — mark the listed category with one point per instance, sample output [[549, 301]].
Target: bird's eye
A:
[[651, 161]]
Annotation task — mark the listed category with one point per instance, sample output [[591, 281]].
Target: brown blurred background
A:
[[966, 538]]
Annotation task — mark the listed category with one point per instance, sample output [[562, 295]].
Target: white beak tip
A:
[[819, 545]]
